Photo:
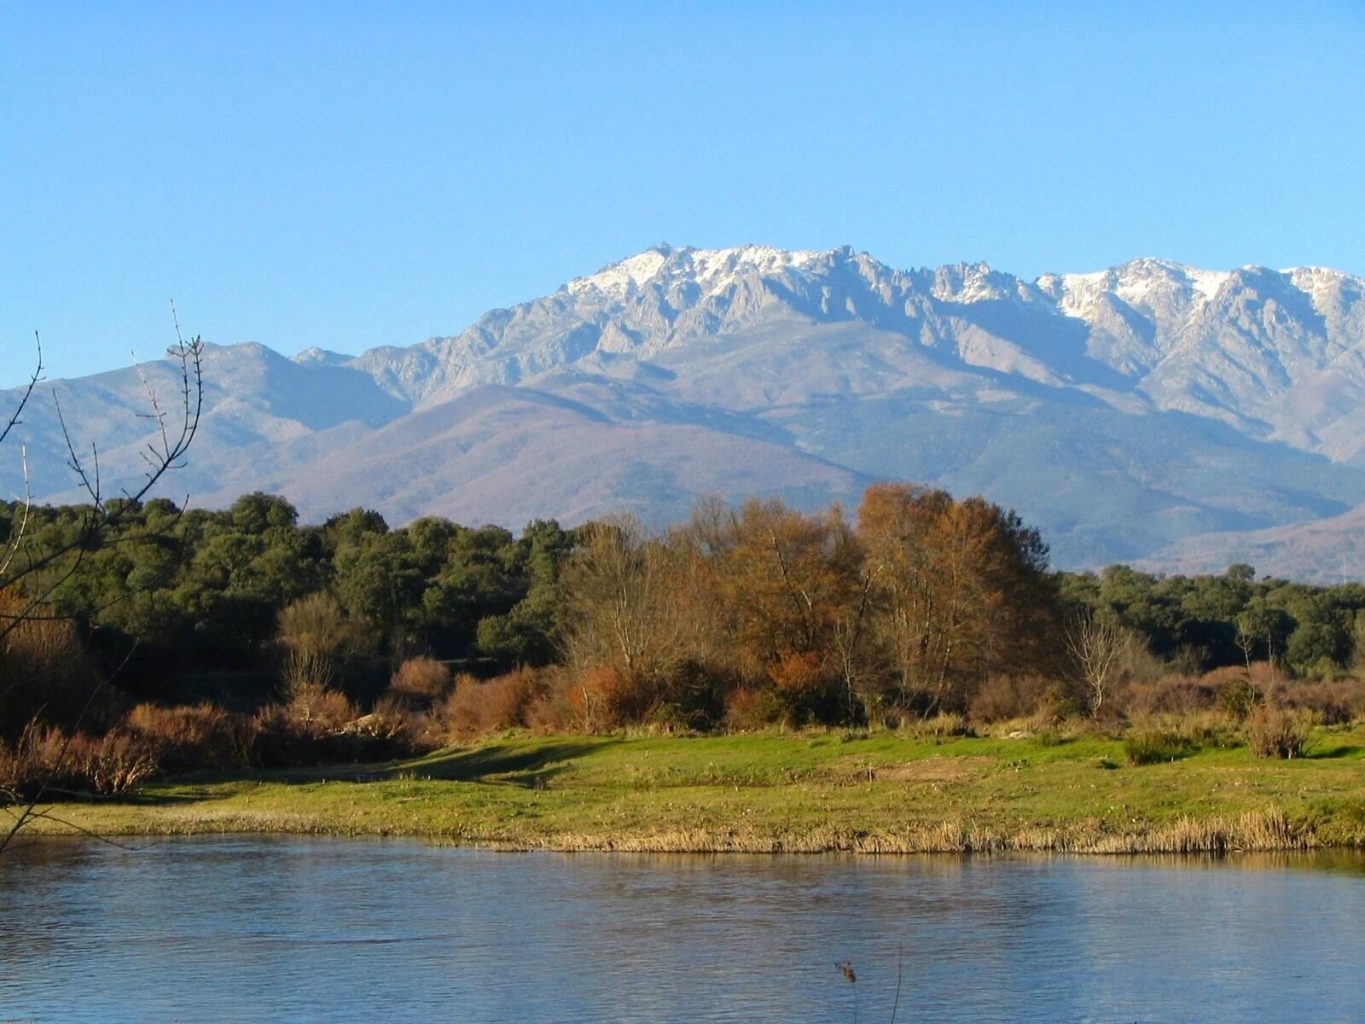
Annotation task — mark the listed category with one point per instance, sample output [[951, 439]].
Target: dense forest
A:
[[350, 638]]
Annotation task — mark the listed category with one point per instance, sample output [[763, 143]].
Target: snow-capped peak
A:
[[315, 355], [620, 278], [715, 266], [1206, 282], [713, 269], [1139, 283], [1318, 282]]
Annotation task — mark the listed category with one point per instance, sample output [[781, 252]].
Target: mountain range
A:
[[1151, 413]]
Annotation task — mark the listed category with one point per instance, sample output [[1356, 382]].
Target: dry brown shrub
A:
[[752, 707], [553, 710], [1280, 732], [394, 721], [422, 680], [497, 705], [320, 710], [1003, 697], [44, 668], [939, 726], [509, 697], [13, 774], [48, 762], [1172, 695], [312, 728], [327, 730], [192, 737], [115, 763], [278, 739], [37, 760], [1224, 675], [1334, 702]]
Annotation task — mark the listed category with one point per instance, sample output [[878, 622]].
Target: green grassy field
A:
[[884, 793]]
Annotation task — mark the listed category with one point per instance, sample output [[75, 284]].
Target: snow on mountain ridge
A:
[[617, 279], [1147, 330], [1141, 283], [1120, 409], [713, 268]]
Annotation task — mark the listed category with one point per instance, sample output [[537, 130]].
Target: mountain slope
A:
[[1120, 411], [1325, 551]]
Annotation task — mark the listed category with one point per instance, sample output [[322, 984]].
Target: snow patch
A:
[[620, 278], [1137, 284], [1316, 282], [1206, 282], [713, 269]]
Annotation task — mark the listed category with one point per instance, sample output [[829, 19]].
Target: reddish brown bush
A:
[[600, 699], [499, 704], [807, 688], [422, 681], [752, 707], [188, 738], [48, 762]]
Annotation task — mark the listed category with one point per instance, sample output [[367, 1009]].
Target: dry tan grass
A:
[[927, 771], [1265, 831], [1252, 832]]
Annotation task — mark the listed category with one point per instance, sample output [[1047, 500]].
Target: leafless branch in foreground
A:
[[38, 573]]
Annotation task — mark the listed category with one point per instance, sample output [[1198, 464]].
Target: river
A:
[[267, 929]]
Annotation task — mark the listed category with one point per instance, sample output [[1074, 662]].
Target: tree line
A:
[[914, 604]]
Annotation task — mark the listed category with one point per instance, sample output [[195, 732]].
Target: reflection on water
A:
[[330, 930]]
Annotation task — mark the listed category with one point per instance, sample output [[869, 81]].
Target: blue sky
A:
[[349, 175]]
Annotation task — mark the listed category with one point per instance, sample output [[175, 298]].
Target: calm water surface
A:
[[252, 929]]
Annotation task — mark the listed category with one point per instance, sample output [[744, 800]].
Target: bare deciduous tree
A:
[[622, 589], [1097, 649], [31, 572], [318, 638]]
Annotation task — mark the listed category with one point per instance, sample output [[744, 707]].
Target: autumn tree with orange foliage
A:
[[805, 617], [961, 591], [788, 586], [636, 623]]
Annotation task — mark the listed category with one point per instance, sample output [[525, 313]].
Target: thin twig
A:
[[16, 538], [47, 815], [33, 380], [28, 812], [102, 517], [900, 971]]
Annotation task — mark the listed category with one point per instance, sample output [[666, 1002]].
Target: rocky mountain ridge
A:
[[1121, 411]]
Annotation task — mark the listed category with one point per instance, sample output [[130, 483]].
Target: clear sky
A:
[[348, 175]]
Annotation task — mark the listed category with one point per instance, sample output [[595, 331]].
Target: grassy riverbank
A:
[[884, 793]]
